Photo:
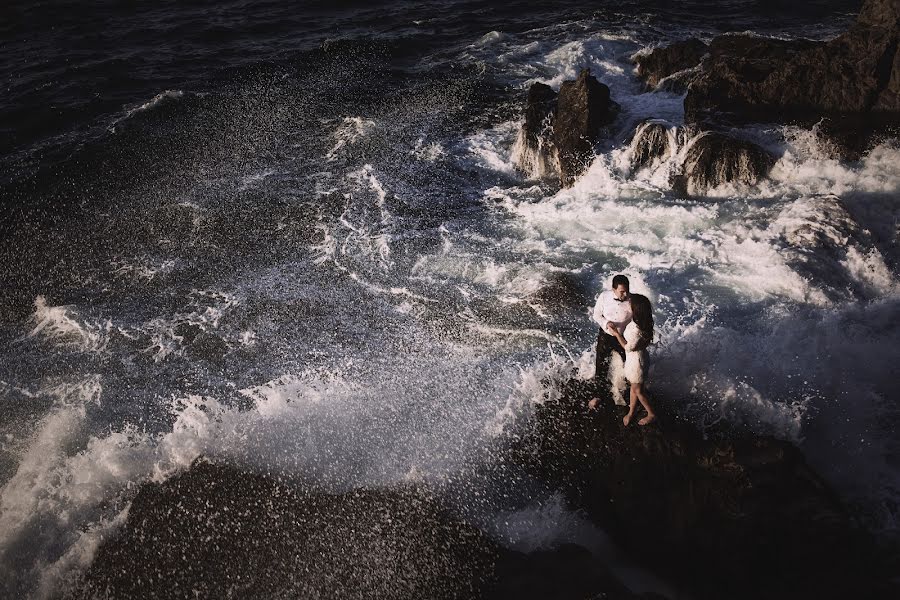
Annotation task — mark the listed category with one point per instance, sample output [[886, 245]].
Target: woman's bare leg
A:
[[638, 389], [632, 396]]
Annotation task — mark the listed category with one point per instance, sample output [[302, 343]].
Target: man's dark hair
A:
[[620, 280]]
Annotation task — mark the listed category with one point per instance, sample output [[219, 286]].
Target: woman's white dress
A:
[[635, 354]]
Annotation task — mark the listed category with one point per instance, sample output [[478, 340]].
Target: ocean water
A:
[[294, 238]]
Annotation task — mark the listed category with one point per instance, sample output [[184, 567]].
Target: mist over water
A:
[[323, 261]]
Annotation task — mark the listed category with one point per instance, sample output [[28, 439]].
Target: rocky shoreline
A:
[[727, 516], [848, 87]]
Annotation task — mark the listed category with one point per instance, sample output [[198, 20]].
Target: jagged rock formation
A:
[[560, 130], [708, 158], [727, 517], [655, 66], [852, 80], [713, 159], [583, 108], [216, 531]]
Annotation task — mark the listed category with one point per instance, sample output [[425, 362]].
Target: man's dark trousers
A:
[[606, 345]]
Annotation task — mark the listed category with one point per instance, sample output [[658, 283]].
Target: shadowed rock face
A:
[[728, 518], [880, 13], [663, 62], [856, 74], [217, 532], [583, 109], [539, 109], [715, 158], [536, 154], [852, 81]]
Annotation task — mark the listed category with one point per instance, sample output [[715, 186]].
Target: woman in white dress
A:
[[635, 339]]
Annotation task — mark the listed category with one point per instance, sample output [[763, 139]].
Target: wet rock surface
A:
[[663, 62], [714, 159], [583, 109], [651, 142], [536, 154], [560, 130], [216, 531], [725, 517], [854, 78]]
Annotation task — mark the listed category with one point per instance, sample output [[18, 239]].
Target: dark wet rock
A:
[[535, 153], [560, 130], [855, 76], [539, 109], [756, 48], [569, 571], [664, 62], [880, 13], [713, 159], [725, 517], [583, 109], [566, 289], [216, 531], [651, 142]]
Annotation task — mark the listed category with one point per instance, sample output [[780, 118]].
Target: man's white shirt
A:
[[610, 310]]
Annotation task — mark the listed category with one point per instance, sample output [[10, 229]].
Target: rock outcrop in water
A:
[[664, 62], [535, 147], [738, 517], [218, 532], [583, 108], [853, 81], [651, 142], [713, 159], [560, 130], [708, 158]]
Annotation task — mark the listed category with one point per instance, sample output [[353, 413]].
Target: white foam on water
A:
[[144, 270], [62, 326], [208, 309], [350, 131], [490, 148], [164, 96], [429, 151], [807, 170]]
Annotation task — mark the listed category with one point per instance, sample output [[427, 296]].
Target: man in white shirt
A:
[[613, 309]]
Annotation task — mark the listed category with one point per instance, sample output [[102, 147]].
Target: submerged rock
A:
[[216, 531], [713, 159], [740, 517], [565, 289]]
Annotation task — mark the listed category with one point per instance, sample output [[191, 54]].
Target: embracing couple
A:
[[626, 328]]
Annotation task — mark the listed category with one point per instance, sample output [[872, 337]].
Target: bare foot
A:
[[593, 403], [627, 419], [647, 420]]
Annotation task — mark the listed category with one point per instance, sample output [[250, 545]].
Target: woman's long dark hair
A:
[[642, 315]]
